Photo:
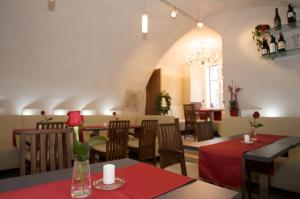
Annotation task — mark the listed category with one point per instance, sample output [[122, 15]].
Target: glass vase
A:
[[81, 180], [253, 134]]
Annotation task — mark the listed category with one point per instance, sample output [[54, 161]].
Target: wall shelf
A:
[[286, 53], [290, 31], [285, 28]]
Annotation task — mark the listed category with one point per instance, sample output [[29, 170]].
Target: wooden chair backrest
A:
[[51, 125], [51, 151], [171, 146], [189, 112], [116, 147], [147, 139]]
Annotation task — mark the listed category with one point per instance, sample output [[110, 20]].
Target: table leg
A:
[[245, 191], [264, 182]]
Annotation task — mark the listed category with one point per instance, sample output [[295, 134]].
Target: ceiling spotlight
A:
[[200, 24], [144, 20], [174, 13]]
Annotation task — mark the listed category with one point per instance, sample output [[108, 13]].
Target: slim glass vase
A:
[[253, 134], [81, 180]]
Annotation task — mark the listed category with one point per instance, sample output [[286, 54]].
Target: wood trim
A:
[[153, 89]]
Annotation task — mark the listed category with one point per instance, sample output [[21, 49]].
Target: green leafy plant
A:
[[163, 102], [233, 102], [260, 31]]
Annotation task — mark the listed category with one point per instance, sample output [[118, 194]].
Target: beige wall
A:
[[173, 85], [280, 126]]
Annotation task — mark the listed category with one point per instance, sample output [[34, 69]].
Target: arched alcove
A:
[[183, 74]]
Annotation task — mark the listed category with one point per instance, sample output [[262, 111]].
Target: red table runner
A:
[[142, 181], [222, 163]]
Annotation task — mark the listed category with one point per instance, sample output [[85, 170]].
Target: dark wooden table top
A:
[[270, 152], [196, 189]]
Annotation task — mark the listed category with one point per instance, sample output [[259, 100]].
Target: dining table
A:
[[142, 181], [212, 113], [229, 161]]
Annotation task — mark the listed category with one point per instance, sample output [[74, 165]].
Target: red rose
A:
[[256, 115], [75, 119]]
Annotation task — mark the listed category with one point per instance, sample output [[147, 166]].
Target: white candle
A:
[[246, 138], [108, 174]]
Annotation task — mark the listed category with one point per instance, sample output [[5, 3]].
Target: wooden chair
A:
[[50, 149], [145, 145], [51, 125], [116, 147], [170, 146], [47, 125], [202, 130], [190, 119], [172, 152]]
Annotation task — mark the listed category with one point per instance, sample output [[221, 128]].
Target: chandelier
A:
[[203, 56]]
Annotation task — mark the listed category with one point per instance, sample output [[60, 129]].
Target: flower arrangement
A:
[[254, 123], [233, 102], [82, 149], [259, 33], [81, 172], [44, 117], [163, 102]]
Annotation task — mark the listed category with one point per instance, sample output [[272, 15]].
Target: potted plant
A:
[[233, 102], [259, 33]]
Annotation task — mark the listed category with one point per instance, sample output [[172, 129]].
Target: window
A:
[[214, 86]]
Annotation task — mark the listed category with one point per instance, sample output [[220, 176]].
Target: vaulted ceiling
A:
[[208, 8], [86, 54]]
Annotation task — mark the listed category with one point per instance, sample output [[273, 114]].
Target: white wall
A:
[[273, 86], [270, 86], [84, 55]]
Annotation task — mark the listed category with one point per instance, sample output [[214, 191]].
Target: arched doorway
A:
[[191, 70]]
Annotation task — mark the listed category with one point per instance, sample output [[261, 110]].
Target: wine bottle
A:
[[281, 43], [265, 47], [291, 15], [277, 20], [273, 45]]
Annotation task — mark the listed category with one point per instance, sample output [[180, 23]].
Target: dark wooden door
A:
[[152, 91]]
